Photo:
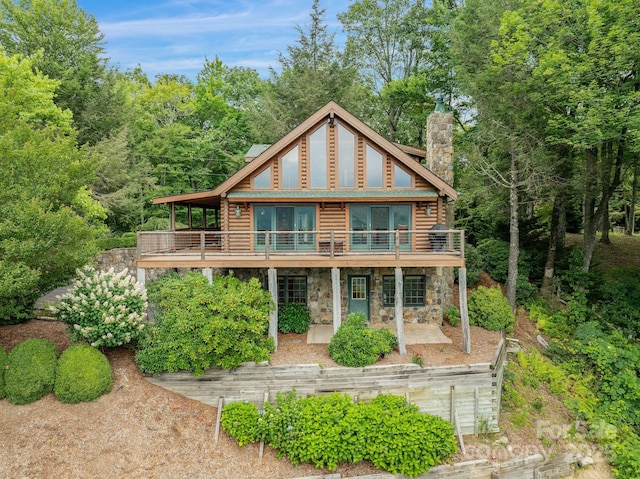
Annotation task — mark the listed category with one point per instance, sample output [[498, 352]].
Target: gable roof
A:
[[331, 110]]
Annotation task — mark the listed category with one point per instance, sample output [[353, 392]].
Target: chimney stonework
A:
[[439, 160], [439, 156]]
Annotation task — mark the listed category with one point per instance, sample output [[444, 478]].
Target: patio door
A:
[[359, 295]]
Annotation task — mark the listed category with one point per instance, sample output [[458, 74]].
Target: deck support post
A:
[[140, 276], [464, 311], [402, 347], [273, 315], [208, 273], [337, 300]]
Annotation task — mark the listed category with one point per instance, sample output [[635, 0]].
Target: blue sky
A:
[[175, 36]]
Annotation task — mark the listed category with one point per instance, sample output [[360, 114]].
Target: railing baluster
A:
[[331, 243], [266, 245], [397, 241], [202, 252]]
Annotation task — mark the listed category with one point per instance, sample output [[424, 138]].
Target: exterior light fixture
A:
[[238, 211], [427, 211]]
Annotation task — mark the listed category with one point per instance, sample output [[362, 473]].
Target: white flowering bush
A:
[[104, 308]]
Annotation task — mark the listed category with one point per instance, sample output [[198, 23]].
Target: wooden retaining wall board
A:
[[471, 391], [532, 467]]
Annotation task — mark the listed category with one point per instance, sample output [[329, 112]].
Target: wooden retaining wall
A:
[[531, 467], [470, 391]]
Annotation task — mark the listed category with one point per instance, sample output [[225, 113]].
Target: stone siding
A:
[[319, 293], [121, 258]]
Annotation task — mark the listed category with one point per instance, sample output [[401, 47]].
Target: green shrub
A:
[[3, 363], [104, 308], [83, 374], [124, 241], [294, 318], [473, 263], [453, 315], [402, 440], [30, 371], [356, 345], [329, 430], [240, 421], [489, 309], [495, 258], [199, 325]]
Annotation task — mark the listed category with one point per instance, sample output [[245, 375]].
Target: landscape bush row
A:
[[330, 430], [224, 323], [32, 370]]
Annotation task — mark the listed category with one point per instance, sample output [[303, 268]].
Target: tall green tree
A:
[[45, 211], [388, 41], [313, 72], [67, 45]]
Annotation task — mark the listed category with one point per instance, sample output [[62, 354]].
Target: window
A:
[[318, 157], [263, 179], [292, 289], [374, 168], [379, 222], [401, 179], [289, 170], [413, 290], [290, 226], [346, 157]]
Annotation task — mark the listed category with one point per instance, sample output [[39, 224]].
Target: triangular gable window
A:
[[401, 179], [262, 181]]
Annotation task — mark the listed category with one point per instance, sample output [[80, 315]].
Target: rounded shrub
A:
[[489, 309], [104, 308], [293, 318], [83, 374], [356, 345], [3, 363], [240, 421], [30, 371]]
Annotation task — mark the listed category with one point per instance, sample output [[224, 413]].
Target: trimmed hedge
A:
[[83, 374], [329, 430], [3, 362], [489, 309], [355, 345], [30, 371]]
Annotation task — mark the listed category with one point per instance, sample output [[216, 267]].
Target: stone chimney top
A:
[[439, 157]]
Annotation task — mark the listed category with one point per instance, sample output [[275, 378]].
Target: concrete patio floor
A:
[[413, 333]]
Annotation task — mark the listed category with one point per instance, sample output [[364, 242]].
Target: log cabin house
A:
[[334, 216]]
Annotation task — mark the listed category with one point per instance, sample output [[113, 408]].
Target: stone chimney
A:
[[439, 158]]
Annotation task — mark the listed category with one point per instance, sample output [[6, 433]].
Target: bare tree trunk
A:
[[562, 225], [630, 213], [514, 234], [589, 217], [606, 224], [607, 165], [592, 215], [549, 267]]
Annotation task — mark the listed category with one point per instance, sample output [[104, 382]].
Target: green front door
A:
[[359, 295]]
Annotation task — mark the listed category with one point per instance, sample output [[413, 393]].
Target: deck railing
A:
[[400, 242]]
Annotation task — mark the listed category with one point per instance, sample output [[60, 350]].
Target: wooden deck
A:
[[324, 250]]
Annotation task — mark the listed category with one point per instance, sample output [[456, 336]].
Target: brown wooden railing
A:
[[327, 243]]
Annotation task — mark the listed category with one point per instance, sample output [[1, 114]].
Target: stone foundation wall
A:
[[121, 258], [319, 293]]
